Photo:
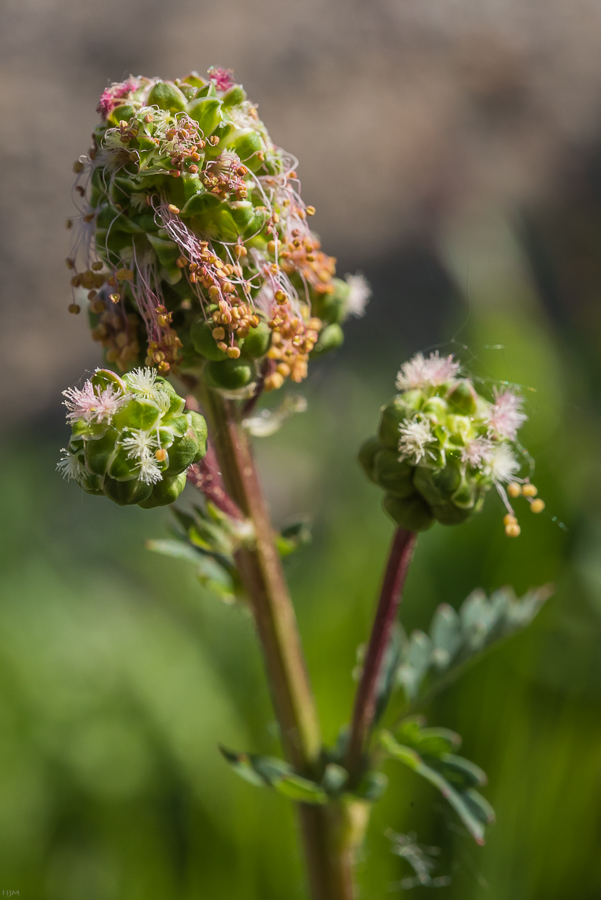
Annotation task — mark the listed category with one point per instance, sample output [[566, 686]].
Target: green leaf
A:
[[415, 662], [292, 538], [427, 741], [413, 760], [242, 765], [372, 786], [461, 772], [177, 549], [480, 807], [273, 772], [458, 637]]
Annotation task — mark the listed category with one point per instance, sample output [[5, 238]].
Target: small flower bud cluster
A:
[[131, 439], [193, 248], [441, 446]]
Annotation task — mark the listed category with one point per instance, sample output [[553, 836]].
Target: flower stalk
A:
[[400, 556], [326, 831]]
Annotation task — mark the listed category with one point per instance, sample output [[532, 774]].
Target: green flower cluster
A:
[[131, 438], [441, 446], [192, 245]]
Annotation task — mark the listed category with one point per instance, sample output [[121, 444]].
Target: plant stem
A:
[[364, 710], [323, 828]]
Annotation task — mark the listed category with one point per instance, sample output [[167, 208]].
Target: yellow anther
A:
[[310, 210], [514, 489], [78, 167], [271, 247], [537, 506], [233, 352], [74, 308], [160, 454], [512, 530], [96, 266], [124, 275], [115, 298], [173, 209], [510, 519], [274, 382], [529, 490], [222, 346], [218, 333]]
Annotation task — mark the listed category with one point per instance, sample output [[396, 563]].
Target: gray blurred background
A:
[[413, 120]]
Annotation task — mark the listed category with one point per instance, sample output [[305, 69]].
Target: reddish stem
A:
[[365, 702]]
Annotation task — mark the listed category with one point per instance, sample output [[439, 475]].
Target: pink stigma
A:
[[221, 78], [111, 96]]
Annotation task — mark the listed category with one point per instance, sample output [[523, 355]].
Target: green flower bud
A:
[[258, 341], [330, 338], [463, 399], [165, 492], [204, 342], [166, 96], [412, 513], [131, 439], [231, 374], [367, 457], [393, 475]]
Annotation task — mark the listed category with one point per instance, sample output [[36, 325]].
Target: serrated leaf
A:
[[214, 577], [427, 741], [446, 635], [413, 760], [417, 658], [480, 807], [461, 772], [269, 771], [457, 638], [387, 677], [301, 790], [242, 765]]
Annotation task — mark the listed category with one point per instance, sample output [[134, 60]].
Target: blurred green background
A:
[[119, 675]]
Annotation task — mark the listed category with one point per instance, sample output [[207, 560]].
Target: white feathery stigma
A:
[[415, 437], [70, 467], [431, 371], [149, 472], [140, 444], [359, 294], [502, 464]]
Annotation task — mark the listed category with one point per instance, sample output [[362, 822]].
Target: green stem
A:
[[325, 832]]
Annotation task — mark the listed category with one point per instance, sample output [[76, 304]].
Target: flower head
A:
[[506, 416], [431, 371]]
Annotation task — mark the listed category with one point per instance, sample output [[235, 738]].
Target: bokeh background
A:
[[453, 151]]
